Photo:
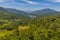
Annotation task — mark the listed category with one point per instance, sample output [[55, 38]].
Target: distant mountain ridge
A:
[[14, 10], [11, 13], [46, 11], [2, 9]]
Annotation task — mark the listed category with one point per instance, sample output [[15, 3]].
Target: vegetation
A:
[[39, 28], [22, 27]]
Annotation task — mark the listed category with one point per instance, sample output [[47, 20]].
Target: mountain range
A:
[[44, 11], [10, 11]]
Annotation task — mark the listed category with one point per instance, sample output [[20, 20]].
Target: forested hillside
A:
[[46, 28], [22, 27]]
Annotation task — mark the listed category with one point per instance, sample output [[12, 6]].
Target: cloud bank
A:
[[54, 0], [2, 0], [30, 2]]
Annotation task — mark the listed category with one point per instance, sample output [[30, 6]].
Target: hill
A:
[[11, 13], [46, 11]]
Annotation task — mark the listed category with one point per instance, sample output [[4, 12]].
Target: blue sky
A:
[[26, 5]]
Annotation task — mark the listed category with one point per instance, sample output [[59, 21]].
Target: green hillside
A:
[[21, 27], [46, 28]]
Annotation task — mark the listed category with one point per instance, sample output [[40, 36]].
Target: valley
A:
[[38, 25]]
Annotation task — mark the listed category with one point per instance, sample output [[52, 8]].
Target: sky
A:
[[31, 5]]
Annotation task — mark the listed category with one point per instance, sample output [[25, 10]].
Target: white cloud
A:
[[54, 0], [5, 0], [46, 4], [18, 4], [2, 0], [30, 2], [57, 1]]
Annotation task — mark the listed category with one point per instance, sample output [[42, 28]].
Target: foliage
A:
[[25, 28]]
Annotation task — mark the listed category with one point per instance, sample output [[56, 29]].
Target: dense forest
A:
[[23, 27]]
